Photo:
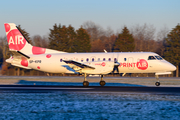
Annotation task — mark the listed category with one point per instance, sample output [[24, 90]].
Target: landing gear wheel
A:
[[102, 83], [85, 83], [157, 83]]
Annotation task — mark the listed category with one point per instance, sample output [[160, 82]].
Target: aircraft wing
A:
[[78, 64]]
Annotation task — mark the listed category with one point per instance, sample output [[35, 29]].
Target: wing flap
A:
[[78, 64]]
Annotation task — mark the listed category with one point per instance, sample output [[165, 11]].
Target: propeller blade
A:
[[115, 69], [116, 64]]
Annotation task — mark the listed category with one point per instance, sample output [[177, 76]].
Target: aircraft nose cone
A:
[[168, 66], [173, 68]]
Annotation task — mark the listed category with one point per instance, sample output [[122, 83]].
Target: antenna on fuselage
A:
[[105, 51]]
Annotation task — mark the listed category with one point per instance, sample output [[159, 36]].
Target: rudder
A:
[[18, 43], [16, 40]]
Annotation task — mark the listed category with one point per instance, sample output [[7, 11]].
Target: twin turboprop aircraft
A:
[[30, 57]]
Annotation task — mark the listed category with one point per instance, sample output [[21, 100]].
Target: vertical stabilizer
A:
[[16, 41]]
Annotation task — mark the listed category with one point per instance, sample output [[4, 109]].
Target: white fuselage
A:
[[130, 62], [31, 57], [52, 61]]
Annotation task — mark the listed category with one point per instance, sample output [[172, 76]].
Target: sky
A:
[[38, 16]]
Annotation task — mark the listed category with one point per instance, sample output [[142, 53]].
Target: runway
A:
[[49, 88], [74, 84]]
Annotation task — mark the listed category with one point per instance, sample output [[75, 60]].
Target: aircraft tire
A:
[[85, 83], [157, 83], [102, 83]]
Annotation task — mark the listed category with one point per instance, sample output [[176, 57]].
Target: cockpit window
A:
[[151, 58], [159, 57]]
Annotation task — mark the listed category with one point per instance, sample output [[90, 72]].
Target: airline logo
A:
[[15, 40], [141, 64], [102, 64]]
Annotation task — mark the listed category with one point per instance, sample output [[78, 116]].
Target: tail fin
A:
[[18, 43]]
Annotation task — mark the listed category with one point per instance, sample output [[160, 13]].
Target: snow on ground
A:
[[66, 105]]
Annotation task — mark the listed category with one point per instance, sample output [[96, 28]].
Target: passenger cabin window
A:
[[159, 58], [151, 58], [87, 59], [104, 59], [60, 60], [81, 60], [109, 59], [92, 59], [124, 59], [115, 60], [98, 59]]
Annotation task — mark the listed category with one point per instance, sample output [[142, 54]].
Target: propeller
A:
[[116, 64], [115, 69]]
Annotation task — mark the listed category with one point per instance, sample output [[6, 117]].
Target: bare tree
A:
[[97, 46], [99, 35], [94, 30], [161, 36], [4, 54], [39, 41], [4, 47], [144, 37], [110, 39]]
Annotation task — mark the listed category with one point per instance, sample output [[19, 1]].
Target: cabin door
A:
[[130, 63]]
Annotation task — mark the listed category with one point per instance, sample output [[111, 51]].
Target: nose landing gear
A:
[[157, 83]]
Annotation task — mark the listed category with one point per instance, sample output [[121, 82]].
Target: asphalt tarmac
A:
[[74, 84], [49, 88]]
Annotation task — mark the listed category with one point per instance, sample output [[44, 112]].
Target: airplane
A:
[[52, 61]]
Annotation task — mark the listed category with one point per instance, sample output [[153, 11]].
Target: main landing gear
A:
[[102, 82], [86, 83], [157, 83]]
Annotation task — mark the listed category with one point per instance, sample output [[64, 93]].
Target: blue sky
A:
[[38, 16]]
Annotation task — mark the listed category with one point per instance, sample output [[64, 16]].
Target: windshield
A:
[[159, 57], [151, 58]]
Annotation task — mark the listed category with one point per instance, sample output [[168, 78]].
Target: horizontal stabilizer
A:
[[21, 66], [18, 54], [23, 54]]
